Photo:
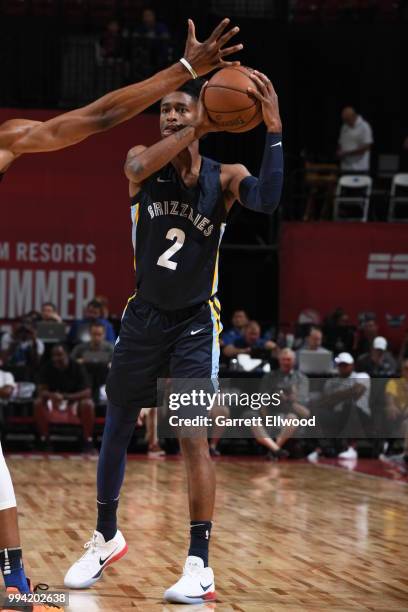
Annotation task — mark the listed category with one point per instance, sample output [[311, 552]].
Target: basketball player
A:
[[19, 136], [179, 203]]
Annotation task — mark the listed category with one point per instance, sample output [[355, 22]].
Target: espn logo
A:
[[384, 266]]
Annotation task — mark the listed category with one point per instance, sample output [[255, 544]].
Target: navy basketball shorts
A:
[[154, 344]]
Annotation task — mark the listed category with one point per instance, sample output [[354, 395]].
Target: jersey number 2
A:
[[179, 237]]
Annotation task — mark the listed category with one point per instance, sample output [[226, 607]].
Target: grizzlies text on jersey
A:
[[176, 236]]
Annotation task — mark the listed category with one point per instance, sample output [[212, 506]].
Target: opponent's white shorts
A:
[[7, 497]]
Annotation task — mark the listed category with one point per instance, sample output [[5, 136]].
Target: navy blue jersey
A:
[[176, 236]]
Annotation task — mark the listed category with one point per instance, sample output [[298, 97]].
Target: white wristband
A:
[[189, 67]]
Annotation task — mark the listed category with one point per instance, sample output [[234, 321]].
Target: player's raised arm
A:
[[118, 106], [261, 194]]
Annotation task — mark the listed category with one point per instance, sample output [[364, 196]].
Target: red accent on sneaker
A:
[[120, 554], [210, 596]]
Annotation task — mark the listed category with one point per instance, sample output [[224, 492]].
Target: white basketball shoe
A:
[[88, 569], [196, 585]]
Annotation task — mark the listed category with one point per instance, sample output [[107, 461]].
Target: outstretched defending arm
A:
[[118, 106], [261, 194]]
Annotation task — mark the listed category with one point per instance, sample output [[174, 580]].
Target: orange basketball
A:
[[228, 103]]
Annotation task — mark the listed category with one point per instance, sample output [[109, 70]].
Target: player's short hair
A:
[[192, 88]]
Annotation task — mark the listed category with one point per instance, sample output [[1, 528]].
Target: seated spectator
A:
[[344, 397], [150, 27], [111, 44], [155, 37], [313, 341], [339, 333], [251, 344], [80, 329], [49, 313], [7, 386], [293, 387], [112, 318], [365, 336], [97, 350], [64, 396], [96, 355], [396, 406], [239, 322], [378, 362], [21, 351], [32, 317]]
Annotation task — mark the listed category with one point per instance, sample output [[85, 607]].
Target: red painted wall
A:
[[362, 267]]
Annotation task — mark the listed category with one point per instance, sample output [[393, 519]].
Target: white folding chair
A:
[[399, 198], [347, 201]]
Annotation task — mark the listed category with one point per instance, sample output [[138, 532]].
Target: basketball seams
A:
[[241, 91], [247, 71], [238, 110], [232, 119]]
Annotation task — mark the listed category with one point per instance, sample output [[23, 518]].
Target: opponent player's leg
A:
[[10, 547], [131, 385], [196, 356]]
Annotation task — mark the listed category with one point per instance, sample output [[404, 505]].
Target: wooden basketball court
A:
[[288, 536]]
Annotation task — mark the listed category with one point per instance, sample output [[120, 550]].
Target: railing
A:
[[42, 70]]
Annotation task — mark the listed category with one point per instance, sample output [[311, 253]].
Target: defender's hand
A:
[[266, 95], [209, 54]]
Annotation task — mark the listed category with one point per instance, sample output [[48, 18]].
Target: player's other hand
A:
[[209, 54], [265, 93], [203, 123]]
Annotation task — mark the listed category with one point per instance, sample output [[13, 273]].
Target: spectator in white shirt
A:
[[7, 385], [355, 142], [344, 394]]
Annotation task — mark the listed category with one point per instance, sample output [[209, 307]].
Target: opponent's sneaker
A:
[[88, 569], [25, 606], [195, 586]]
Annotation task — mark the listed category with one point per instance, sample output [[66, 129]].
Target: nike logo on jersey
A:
[[160, 180], [205, 588], [102, 561], [195, 331], [277, 144]]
